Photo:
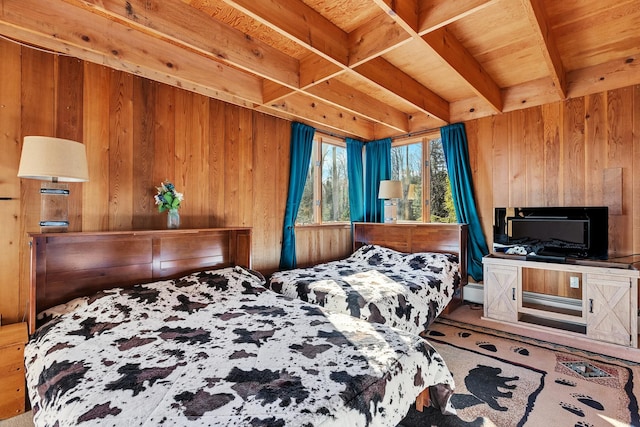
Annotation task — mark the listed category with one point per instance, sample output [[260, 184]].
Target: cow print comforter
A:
[[217, 348], [378, 284]]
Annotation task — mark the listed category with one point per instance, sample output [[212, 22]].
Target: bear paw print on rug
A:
[[564, 381], [487, 346], [572, 408], [588, 400], [520, 350]]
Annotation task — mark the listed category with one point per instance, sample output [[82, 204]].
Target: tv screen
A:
[[578, 232]]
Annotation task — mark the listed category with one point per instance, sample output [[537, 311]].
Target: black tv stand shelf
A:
[[546, 258]]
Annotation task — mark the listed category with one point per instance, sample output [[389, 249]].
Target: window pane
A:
[[442, 209], [335, 190], [406, 166], [305, 213]]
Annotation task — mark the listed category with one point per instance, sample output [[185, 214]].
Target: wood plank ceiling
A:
[[361, 68]]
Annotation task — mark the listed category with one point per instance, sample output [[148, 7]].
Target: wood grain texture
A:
[[37, 117], [10, 208], [12, 386], [143, 148], [231, 163], [136, 136], [70, 265], [577, 141], [551, 282], [95, 209]]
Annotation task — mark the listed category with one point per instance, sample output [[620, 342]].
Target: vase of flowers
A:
[[168, 199]]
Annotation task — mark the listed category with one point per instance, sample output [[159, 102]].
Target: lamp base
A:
[[390, 212], [54, 207]]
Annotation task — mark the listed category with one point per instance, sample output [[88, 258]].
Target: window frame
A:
[[316, 161], [425, 139]]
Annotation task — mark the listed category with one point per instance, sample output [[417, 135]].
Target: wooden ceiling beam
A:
[[179, 23], [404, 12], [182, 22], [387, 76], [621, 72], [539, 23], [298, 22], [340, 94], [314, 112], [439, 40], [529, 94], [75, 31], [315, 69], [465, 65], [435, 14], [375, 38]]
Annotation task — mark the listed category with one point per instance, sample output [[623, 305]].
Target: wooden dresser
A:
[[12, 383]]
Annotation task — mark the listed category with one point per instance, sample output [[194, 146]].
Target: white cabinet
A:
[[603, 308], [610, 313], [500, 292]]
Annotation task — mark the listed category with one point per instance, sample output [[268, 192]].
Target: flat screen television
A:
[[563, 232]]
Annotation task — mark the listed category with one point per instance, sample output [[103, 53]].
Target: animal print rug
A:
[[507, 380]]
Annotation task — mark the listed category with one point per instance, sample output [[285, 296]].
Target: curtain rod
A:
[[335, 135], [420, 132], [406, 135]]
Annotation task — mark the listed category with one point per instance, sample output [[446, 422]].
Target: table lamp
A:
[[390, 191], [54, 161]]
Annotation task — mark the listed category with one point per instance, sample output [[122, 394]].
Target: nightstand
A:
[[12, 383]]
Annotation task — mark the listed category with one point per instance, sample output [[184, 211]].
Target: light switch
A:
[[574, 282]]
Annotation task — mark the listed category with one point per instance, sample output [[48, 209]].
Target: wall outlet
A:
[[574, 282]]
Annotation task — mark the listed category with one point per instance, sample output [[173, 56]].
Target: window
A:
[[326, 193], [408, 166]]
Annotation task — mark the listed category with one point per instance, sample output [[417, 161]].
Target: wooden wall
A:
[[231, 163], [583, 151]]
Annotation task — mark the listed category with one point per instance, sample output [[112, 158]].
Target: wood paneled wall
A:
[[583, 151], [231, 163]]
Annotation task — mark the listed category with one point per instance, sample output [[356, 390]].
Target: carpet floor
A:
[[503, 379]]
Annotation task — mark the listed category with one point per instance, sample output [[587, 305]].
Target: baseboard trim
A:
[[474, 293]]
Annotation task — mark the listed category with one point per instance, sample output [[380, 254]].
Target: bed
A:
[[191, 336], [401, 275]]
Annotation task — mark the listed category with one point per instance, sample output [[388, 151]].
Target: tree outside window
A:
[[408, 166], [325, 198]]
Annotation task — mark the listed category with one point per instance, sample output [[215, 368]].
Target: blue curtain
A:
[[356, 185], [378, 168], [456, 153], [301, 146]]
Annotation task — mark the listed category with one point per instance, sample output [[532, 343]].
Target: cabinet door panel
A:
[[609, 309], [500, 292]]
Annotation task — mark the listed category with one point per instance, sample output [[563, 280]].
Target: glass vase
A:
[[173, 219]]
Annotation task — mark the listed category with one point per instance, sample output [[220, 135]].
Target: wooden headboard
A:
[[69, 265], [426, 237]]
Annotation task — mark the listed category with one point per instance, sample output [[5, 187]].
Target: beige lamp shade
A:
[[390, 190], [53, 159]]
